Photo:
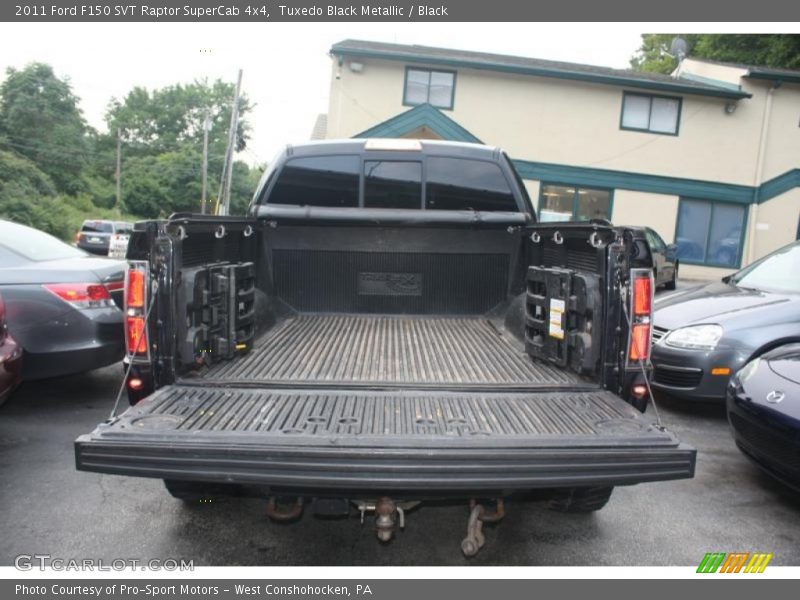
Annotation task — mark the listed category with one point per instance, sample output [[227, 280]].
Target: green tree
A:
[[773, 50], [158, 185], [162, 132], [243, 185], [19, 176], [40, 120], [28, 196], [166, 119]]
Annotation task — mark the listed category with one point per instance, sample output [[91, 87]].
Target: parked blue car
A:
[[764, 412]]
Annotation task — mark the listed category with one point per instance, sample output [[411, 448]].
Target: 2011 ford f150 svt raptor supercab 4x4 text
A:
[[387, 325]]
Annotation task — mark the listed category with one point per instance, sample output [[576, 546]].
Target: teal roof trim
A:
[[659, 184], [423, 115], [778, 185], [774, 75]]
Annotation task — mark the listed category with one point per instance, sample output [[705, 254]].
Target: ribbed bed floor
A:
[[394, 350], [386, 414]]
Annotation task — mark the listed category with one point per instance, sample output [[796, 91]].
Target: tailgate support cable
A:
[[113, 414]]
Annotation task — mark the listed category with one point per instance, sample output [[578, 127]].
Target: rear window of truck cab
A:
[[432, 183]]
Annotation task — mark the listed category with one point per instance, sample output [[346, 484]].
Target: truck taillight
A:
[[642, 295], [134, 298], [136, 335], [641, 306], [640, 342], [136, 304]]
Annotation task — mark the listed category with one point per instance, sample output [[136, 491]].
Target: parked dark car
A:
[[703, 335], [61, 304], [95, 236], [764, 412], [663, 256], [10, 358]]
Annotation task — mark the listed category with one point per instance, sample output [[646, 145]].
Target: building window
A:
[[424, 86], [571, 203], [656, 114], [710, 233]]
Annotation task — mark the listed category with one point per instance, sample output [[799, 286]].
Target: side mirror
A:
[[672, 248], [726, 279]]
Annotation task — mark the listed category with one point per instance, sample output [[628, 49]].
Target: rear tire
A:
[[580, 500], [196, 492], [672, 283]]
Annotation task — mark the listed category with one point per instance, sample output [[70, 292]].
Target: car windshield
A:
[[33, 244], [98, 227], [779, 271]]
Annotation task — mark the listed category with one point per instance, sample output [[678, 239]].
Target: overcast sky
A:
[[286, 65]]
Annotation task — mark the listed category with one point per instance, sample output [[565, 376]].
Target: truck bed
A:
[[341, 350]]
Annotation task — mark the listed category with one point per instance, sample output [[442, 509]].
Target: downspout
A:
[[335, 97], [759, 176]]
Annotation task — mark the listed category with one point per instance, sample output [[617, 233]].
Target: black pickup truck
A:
[[387, 325]]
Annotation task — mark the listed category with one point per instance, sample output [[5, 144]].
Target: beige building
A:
[[708, 157]]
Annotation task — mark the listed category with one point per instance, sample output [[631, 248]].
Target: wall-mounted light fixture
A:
[[356, 67], [730, 107]]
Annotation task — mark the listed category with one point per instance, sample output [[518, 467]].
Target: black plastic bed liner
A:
[[385, 440], [339, 350]]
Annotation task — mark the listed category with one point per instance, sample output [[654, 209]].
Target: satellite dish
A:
[[678, 48]]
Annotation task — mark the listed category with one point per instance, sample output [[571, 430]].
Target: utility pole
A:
[[224, 199], [118, 203], [206, 127]]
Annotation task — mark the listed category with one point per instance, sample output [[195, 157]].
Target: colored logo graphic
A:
[[734, 562]]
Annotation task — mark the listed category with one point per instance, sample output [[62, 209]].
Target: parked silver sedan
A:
[[703, 335]]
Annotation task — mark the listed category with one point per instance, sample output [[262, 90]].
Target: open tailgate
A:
[[385, 440]]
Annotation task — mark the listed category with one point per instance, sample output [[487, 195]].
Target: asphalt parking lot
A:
[[48, 507]]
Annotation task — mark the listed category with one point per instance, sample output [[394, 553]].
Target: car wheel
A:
[[196, 492], [672, 283], [580, 500]]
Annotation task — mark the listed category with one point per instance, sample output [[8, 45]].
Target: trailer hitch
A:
[[478, 515], [390, 516]]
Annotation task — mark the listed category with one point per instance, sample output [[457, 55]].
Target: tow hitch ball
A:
[[389, 515], [475, 539], [386, 512]]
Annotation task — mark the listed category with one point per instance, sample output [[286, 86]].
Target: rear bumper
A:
[[386, 469], [75, 342], [67, 362], [101, 249]]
